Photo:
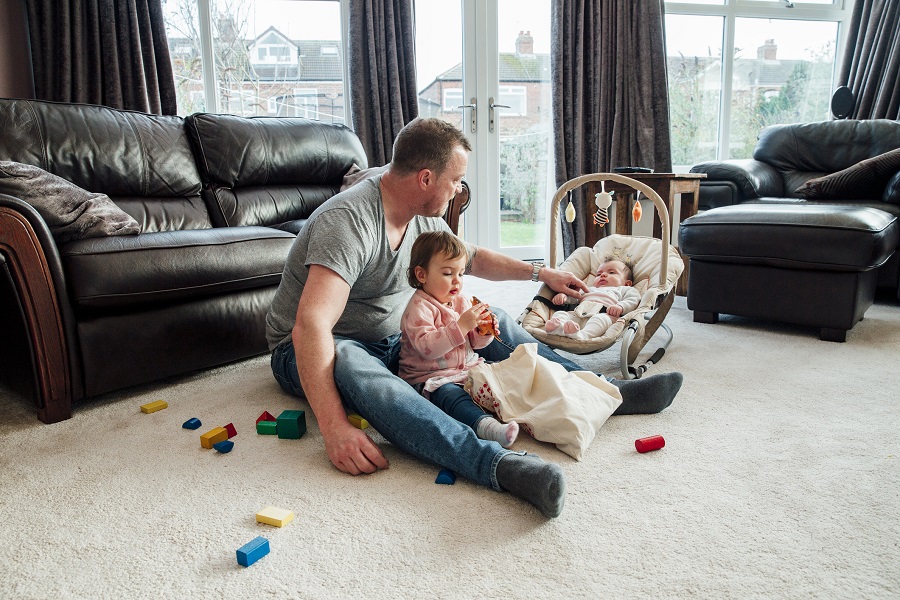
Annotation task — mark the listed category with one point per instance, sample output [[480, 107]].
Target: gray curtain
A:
[[382, 73], [108, 52], [871, 65], [610, 94]]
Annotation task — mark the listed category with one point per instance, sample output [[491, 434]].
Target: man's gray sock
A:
[[533, 480], [647, 395]]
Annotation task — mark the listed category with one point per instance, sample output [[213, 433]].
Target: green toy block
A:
[[267, 427], [291, 424]]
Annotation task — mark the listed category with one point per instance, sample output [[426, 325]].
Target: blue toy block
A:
[[252, 551], [192, 424], [446, 476], [224, 447]]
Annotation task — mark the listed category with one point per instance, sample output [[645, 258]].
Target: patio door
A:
[[484, 65]]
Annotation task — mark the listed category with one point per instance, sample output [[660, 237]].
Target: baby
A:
[[610, 297]]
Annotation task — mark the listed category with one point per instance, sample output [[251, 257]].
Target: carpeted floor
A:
[[780, 479]]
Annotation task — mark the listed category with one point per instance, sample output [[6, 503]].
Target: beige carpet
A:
[[780, 479]]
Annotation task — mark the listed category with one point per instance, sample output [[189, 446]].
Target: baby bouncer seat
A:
[[656, 267]]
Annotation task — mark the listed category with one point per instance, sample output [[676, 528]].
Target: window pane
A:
[[439, 61], [783, 72], [264, 50], [694, 59], [183, 33], [527, 180]]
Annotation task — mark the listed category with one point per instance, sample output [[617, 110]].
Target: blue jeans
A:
[[456, 402], [365, 374]]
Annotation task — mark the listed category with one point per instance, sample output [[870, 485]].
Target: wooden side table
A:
[[667, 185]]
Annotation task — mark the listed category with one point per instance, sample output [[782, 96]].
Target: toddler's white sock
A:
[[504, 434]]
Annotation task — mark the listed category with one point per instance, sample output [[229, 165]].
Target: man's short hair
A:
[[427, 144]]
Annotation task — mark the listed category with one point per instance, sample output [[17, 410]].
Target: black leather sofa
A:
[[219, 200], [786, 156], [760, 248]]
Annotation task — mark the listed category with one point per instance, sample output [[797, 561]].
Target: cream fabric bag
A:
[[550, 403]]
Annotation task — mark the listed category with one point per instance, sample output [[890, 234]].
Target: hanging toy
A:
[[603, 200], [570, 209], [637, 211]]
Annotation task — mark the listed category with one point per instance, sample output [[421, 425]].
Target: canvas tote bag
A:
[[551, 404]]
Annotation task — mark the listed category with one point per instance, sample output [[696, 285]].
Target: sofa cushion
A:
[[270, 170], [71, 213], [173, 266], [794, 236], [825, 146], [866, 179]]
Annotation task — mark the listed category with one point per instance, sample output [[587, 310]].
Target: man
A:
[[334, 324]]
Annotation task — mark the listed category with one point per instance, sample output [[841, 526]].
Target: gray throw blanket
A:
[[71, 212]]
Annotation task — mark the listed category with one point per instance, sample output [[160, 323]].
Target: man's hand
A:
[[352, 451], [562, 281]]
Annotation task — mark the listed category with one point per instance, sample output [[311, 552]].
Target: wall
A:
[[15, 57]]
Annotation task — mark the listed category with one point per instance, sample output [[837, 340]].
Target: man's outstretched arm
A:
[[321, 305], [495, 266]]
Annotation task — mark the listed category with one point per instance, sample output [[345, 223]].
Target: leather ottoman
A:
[[799, 263]]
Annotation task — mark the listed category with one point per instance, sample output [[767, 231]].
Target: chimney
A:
[[767, 51], [525, 43]]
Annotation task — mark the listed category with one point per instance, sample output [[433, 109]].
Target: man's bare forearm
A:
[[314, 350], [494, 266]]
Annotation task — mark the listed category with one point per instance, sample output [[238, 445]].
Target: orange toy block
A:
[[213, 436]]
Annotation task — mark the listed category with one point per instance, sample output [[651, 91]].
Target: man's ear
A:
[[420, 274], [425, 178]]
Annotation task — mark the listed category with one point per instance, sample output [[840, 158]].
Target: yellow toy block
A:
[[152, 407], [357, 421], [213, 436], [272, 515]]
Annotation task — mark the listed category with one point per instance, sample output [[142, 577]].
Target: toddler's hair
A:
[[433, 243]]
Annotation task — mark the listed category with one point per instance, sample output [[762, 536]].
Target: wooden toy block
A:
[[152, 407], [213, 436], [654, 442], [267, 427], [266, 416], [291, 424], [446, 476], [224, 446], [192, 423], [357, 421], [272, 515], [231, 430], [252, 551]]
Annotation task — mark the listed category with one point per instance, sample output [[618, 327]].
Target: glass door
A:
[[485, 67]]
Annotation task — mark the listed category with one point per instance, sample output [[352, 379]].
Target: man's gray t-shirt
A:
[[347, 235]]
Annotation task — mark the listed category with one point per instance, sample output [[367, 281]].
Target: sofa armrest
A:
[[753, 178], [33, 266], [457, 206], [892, 190]]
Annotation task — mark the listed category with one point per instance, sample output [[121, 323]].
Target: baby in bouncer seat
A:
[[611, 296]]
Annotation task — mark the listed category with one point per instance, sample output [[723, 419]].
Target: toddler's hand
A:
[[614, 311], [469, 320], [559, 299]]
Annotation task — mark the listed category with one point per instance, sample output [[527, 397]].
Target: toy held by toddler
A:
[[440, 331], [610, 296]]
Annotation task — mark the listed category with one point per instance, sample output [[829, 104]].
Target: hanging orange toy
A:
[[637, 211]]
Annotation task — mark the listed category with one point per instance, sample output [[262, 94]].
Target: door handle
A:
[[474, 116], [492, 106]]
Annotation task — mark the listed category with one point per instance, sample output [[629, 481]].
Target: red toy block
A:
[[654, 442], [266, 417], [231, 430]]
